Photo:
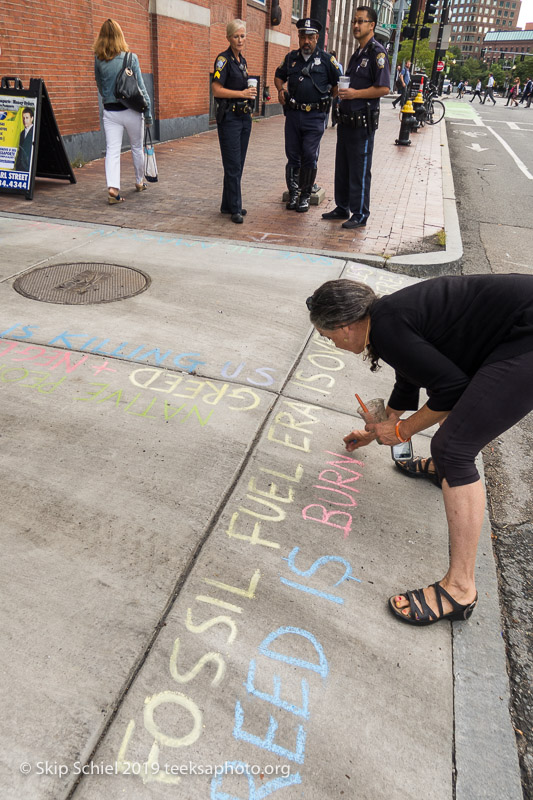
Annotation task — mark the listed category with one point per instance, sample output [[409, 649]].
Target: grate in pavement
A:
[[81, 284]]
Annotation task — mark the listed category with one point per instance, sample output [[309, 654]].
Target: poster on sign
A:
[[30, 142], [18, 118]]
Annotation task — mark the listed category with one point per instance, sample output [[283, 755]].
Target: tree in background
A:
[[524, 69], [423, 55]]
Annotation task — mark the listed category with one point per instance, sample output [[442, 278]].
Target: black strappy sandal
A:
[[422, 614], [419, 468]]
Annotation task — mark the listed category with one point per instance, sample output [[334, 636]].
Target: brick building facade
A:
[[176, 41], [470, 20]]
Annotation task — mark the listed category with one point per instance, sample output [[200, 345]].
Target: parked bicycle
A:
[[435, 108]]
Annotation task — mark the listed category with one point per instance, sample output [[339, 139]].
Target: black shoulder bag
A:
[[126, 87]]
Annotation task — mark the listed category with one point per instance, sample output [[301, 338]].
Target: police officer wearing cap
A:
[[234, 116], [311, 76], [358, 120]]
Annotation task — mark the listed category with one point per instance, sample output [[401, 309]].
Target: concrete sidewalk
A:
[[195, 573], [410, 204]]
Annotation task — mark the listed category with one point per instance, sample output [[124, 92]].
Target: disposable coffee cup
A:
[[376, 411], [344, 82], [252, 82]]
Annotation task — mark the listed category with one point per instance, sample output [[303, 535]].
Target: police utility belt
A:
[[323, 105], [238, 107], [360, 119]]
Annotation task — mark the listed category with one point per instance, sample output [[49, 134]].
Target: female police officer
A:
[[234, 116]]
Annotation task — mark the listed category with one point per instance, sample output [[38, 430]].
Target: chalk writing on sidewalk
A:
[[340, 488], [187, 361], [258, 524], [324, 357], [154, 401]]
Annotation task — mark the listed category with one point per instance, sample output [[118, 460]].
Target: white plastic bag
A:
[[150, 165]]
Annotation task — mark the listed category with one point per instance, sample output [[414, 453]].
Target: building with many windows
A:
[[507, 44], [471, 20]]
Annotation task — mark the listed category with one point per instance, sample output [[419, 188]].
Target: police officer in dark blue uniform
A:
[[234, 116], [311, 75], [358, 120]]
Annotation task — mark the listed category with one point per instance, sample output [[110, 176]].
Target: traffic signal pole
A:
[[438, 52], [413, 20], [396, 44]]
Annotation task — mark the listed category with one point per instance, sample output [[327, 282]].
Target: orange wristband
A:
[[398, 434]]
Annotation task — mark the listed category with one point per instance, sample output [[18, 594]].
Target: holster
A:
[[222, 107]]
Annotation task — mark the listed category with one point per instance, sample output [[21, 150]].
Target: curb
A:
[[416, 265]]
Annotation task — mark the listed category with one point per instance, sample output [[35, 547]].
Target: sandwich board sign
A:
[[30, 143]]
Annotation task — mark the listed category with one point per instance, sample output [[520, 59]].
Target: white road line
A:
[[520, 164], [513, 124], [518, 264]]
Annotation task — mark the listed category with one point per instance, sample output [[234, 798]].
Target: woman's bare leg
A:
[[465, 508]]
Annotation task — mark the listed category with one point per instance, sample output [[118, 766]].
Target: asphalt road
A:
[[492, 160]]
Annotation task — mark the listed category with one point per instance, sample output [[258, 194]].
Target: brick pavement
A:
[[406, 201]]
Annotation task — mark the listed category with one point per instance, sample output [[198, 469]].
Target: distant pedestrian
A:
[[489, 91], [110, 48], [335, 100], [514, 90], [526, 94], [404, 79], [461, 90], [477, 92], [398, 87], [235, 101]]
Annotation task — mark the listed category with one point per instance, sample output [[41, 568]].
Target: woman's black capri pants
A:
[[497, 397]]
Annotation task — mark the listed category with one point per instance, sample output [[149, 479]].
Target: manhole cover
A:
[[81, 284]]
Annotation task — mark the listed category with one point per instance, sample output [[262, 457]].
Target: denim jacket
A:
[[105, 73]]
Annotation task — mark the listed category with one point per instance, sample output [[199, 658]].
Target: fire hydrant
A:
[[408, 124], [419, 109]]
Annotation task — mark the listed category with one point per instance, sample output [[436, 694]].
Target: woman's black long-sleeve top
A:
[[437, 333]]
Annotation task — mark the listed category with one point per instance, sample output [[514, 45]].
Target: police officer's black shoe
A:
[[307, 179], [353, 222], [243, 212], [292, 177], [238, 218], [303, 202], [337, 213]]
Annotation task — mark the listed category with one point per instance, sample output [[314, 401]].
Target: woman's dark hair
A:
[[341, 302]]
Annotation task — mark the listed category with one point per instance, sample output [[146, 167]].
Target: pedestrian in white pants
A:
[[115, 122], [110, 49]]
